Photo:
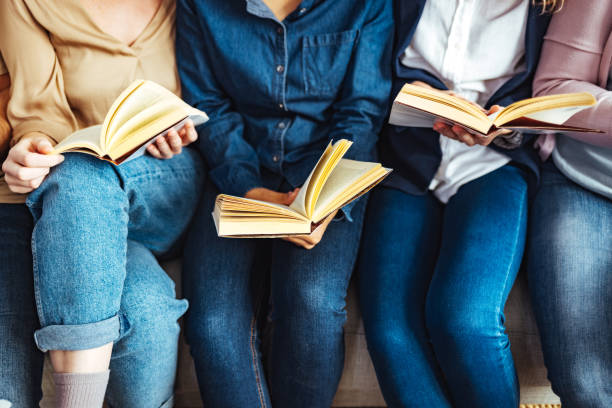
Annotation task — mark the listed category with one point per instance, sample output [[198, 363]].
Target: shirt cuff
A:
[[346, 210], [509, 141]]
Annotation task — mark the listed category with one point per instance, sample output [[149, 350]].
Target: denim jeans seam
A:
[[256, 368], [39, 303]]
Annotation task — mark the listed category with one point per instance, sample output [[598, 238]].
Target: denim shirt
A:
[[277, 92]]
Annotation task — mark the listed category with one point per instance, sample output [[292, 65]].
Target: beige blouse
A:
[[66, 71]]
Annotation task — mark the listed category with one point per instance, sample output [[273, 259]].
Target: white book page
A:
[[88, 137], [557, 116], [345, 175]]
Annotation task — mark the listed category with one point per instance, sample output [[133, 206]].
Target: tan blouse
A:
[[66, 71]]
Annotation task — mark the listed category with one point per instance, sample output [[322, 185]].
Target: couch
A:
[[358, 386]]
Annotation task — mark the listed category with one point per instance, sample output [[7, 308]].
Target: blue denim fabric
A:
[[570, 278], [20, 362], [278, 92], [308, 290], [97, 230], [433, 282]]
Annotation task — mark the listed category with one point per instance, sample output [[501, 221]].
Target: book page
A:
[[559, 107], [111, 116], [556, 116], [147, 112], [414, 101], [299, 204], [82, 140], [347, 175]]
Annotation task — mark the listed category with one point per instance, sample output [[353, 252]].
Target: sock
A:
[[76, 390]]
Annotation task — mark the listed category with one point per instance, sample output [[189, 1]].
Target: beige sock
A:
[[80, 390]]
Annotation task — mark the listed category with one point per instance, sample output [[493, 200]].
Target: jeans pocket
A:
[[325, 60]]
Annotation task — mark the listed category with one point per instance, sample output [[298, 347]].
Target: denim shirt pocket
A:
[[325, 60]]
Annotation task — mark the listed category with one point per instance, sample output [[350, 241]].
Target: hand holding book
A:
[[462, 134], [300, 217], [419, 106], [171, 144], [458, 132], [305, 241]]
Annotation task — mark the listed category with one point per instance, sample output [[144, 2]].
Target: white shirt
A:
[[474, 47]]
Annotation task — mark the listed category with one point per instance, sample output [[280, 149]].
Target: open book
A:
[[143, 111], [417, 106], [333, 183]]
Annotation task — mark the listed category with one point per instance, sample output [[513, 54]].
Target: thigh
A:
[[163, 196], [20, 361], [321, 274], [482, 246], [399, 247], [570, 264], [217, 272], [144, 359]]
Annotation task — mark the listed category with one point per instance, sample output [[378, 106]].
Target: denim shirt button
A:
[[303, 10], [280, 69], [275, 158], [279, 30], [281, 106], [281, 125]]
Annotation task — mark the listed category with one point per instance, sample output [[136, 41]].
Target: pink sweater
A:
[[576, 57]]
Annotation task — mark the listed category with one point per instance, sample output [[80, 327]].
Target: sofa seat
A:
[[358, 386]]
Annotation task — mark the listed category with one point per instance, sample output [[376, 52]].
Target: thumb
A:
[[43, 146], [494, 109]]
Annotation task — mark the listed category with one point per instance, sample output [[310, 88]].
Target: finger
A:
[[43, 146], [15, 182], [494, 108], [154, 151], [445, 130], [291, 196], [163, 148], [30, 159], [174, 141], [296, 240], [20, 190], [448, 132], [24, 173], [190, 136], [464, 135]]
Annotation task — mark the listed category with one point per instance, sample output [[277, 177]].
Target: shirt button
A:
[[280, 69], [303, 10], [281, 125], [279, 30], [275, 158], [281, 106]]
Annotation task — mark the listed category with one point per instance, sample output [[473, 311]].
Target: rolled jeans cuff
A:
[[78, 336]]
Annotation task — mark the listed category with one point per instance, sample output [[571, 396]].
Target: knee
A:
[[312, 307], [463, 324], [78, 177], [217, 331]]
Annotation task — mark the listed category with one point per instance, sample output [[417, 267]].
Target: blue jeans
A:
[[20, 362], [98, 229], [307, 291], [433, 282], [570, 278]]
